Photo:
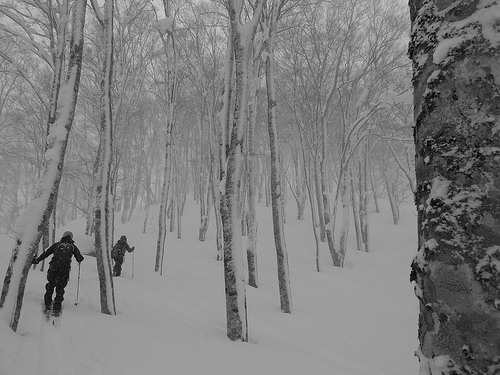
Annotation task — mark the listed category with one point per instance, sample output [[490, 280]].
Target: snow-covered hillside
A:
[[359, 320]]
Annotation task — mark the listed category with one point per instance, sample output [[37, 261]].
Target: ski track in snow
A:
[[64, 347], [52, 350]]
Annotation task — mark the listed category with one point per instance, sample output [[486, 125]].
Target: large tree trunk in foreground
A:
[[31, 224], [455, 51]]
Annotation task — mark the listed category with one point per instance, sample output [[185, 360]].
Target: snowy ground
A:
[[360, 320]]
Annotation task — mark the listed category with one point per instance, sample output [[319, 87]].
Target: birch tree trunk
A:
[[171, 212], [31, 224], [180, 189], [344, 230], [205, 207], [455, 48], [57, 57], [300, 188], [223, 135], [126, 195], [242, 39], [276, 191], [162, 217], [170, 89], [57, 48], [363, 199], [253, 279], [392, 197], [204, 174], [147, 185], [319, 199], [104, 210], [214, 181], [356, 208], [374, 190], [90, 217], [308, 181]]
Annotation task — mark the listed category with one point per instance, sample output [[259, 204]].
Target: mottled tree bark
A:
[[242, 36], [104, 209], [253, 274], [276, 191], [455, 48]]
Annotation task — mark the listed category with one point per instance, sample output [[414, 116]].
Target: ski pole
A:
[[133, 257], [77, 285]]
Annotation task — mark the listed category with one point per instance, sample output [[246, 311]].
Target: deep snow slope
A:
[[359, 320]]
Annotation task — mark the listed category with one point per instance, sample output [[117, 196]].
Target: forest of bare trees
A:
[[231, 104]]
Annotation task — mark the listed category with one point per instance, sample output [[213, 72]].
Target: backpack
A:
[[61, 258], [115, 251]]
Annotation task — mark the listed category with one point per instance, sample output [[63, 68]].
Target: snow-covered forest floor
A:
[[359, 320]]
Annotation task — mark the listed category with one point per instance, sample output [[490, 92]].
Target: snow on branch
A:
[[28, 43]]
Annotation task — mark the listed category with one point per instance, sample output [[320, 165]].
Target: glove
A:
[[133, 248], [35, 261]]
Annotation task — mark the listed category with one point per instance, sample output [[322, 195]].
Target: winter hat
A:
[[123, 238], [68, 234]]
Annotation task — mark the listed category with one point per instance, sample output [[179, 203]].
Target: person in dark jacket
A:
[[58, 272], [118, 254]]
